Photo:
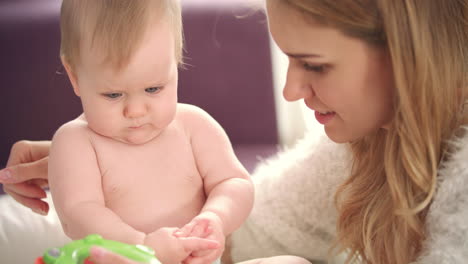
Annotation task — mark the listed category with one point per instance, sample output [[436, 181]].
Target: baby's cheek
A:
[[165, 115], [104, 126]]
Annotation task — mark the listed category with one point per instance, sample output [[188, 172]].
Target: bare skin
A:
[[26, 164], [141, 164]]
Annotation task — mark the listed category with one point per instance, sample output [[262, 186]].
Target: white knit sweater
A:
[[294, 211]]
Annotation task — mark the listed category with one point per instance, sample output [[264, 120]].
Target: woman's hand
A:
[[101, 256], [26, 174]]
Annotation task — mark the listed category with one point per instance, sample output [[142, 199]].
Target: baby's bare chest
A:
[[151, 185]]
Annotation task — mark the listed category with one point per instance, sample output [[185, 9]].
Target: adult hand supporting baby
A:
[[26, 174]]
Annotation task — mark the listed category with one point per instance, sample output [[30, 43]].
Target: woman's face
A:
[[348, 83]]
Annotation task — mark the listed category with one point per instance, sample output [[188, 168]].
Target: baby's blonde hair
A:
[[115, 27], [382, 206]]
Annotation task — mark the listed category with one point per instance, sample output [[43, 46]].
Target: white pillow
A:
[[25, 235]]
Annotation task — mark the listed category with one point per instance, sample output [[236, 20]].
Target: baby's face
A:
[[136, 104]]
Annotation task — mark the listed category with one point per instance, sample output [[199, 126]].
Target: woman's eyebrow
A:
[[302, 56]]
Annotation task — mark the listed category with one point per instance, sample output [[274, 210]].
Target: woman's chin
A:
[[338, 136]]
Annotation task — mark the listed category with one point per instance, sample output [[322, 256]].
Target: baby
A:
[[137, 166]]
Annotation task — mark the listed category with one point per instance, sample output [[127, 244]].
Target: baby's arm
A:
[[227, 184], [76, 187]]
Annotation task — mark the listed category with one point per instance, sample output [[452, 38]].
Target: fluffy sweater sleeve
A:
[[447, 219], [294, 210]]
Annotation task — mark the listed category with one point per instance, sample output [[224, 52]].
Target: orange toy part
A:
[[87, 261], [39, 261]]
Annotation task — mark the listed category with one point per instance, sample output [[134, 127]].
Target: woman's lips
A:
[[324, 118]]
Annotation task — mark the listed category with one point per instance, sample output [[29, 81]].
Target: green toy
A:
[[77, 252]]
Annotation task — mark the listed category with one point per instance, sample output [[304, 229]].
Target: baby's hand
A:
[[206, 225], [171, 249]]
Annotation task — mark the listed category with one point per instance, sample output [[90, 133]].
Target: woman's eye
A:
[[113, 95], [153, 90], [314, 68]]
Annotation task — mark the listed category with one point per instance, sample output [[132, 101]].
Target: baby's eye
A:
[[113, 95], [153, 90], [314, 68]]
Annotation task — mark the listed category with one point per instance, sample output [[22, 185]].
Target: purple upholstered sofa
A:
[[229, 75]]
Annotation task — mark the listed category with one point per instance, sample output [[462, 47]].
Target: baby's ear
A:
[[71, 75]]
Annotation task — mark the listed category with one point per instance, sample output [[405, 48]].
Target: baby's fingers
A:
[[185, 231], [201, 228], [191, 244], [196, 228], [210, 258], [201, 253]]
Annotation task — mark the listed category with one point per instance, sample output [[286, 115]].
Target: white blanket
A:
[[24, 235]]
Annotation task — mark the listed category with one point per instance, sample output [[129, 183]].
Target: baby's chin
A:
[[136, 141], [133, 138], [136, 137]]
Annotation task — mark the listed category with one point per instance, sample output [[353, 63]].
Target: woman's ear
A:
[[72, 76]]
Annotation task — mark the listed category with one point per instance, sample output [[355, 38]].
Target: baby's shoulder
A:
[[72, 143], [197, 122], [191, 115], [73, 130], [184, 110]]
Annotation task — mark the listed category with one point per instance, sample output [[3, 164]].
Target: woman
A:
[[389, 79]]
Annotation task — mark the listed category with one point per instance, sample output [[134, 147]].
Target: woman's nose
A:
[[296, 87]]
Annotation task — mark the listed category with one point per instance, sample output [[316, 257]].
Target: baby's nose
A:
[[135, 110]]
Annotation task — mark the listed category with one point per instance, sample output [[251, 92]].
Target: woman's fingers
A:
[[36, 205], [29, 193], [26, 174], [25, 171], [28, 151], [26, 190]]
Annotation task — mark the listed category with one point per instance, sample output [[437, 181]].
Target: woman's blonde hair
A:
[[382, 206], [115, 27]]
